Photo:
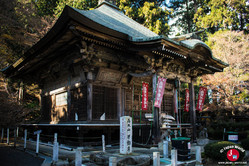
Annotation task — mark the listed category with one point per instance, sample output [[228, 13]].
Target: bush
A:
[[239, 126], [213, 151], [245, 143], [215, 134], [242, 135]]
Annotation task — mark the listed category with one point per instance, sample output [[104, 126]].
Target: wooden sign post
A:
[[125, 135]]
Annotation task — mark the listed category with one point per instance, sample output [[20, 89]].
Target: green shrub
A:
[[215, 134], [213, 151], [232, 126], [245, 143], [243, 135]]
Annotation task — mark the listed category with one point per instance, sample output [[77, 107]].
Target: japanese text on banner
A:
[[159, 91], [145, 96], [186, 106], [201, 98]]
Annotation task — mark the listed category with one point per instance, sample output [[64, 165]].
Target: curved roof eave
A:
[[189, 44], [193, 43]]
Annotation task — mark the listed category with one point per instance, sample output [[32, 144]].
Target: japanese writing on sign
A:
[[186, 106], [159, 91], [201, 98], [145, 96], [125, 135]]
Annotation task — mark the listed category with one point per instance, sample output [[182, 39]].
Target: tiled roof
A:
[[112, 18]]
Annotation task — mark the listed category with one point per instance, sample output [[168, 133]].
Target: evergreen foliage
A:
[[149, 13], [184, 11], [223, 14]]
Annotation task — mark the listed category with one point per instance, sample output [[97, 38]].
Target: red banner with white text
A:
[[186, 106], [159, 91], [201, 98], [145, 88]]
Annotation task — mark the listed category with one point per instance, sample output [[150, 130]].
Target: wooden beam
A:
[[192, 109], [119, 103], [89, 96], [156, 126], [123, 102]]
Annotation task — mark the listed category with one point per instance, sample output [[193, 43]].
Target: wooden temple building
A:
[[91, 64]]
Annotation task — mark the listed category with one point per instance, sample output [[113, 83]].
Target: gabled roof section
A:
[[112, 18]]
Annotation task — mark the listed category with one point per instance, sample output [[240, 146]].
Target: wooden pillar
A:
[[192, 109], [156, 126], [20, 95], [123, 102], [69, 103], [119, 103], [2, 137], [15, 133], [89, 96]]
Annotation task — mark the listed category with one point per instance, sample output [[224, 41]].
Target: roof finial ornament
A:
[[113, 2]]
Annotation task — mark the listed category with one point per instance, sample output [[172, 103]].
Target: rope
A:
[[141, 107], [61, 136], [132, 104]]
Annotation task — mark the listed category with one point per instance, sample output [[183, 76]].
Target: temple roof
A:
[[112, 18], [106, 24]]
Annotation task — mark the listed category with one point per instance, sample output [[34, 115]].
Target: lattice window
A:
[[104, 102], [79, 103], [134, 105]]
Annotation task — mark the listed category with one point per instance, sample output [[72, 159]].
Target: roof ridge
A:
[[109, 4]]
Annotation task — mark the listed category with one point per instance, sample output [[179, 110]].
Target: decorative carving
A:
[[88, 51], [150, 61], [109, 75], [153, 62], [54, 70], [194, 73], [180, 70]]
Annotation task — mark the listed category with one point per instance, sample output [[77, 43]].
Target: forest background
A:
[[223, 25]]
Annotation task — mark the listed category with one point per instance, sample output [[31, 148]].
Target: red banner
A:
[[201, 98], [145, 89], [186, 106], [159, 91]]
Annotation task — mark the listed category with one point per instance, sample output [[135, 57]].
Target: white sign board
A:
[[125, 135], [232, 137]]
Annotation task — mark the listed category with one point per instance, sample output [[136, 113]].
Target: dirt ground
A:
[[12, 157]]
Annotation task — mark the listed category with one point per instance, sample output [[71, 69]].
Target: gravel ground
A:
[[12, 157]]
